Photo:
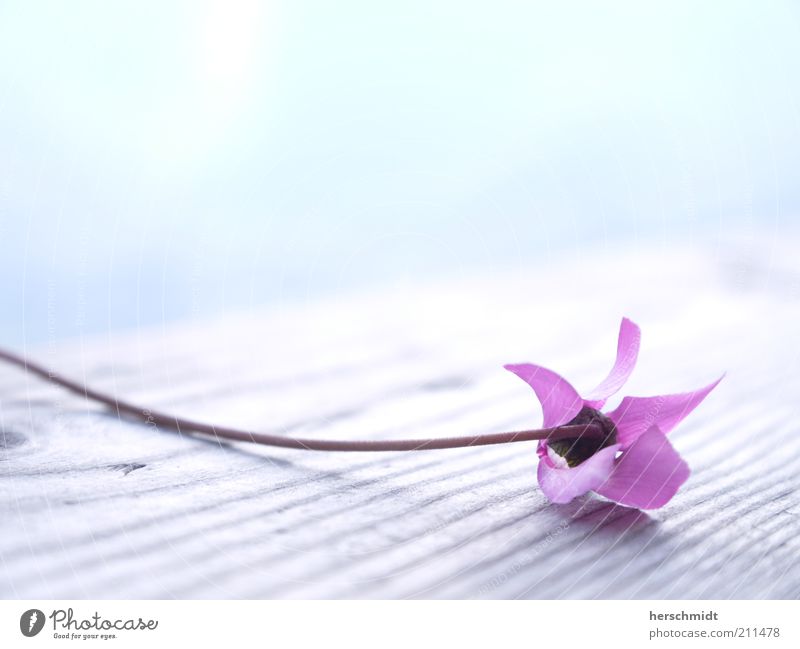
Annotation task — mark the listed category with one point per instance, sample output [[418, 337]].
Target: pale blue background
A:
[[159, 164]]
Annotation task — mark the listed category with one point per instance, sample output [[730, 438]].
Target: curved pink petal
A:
[[627, 352], [562, 484], [560, 402], [648, 473], [635, 415]]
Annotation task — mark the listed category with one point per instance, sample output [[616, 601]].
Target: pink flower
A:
[[631, 462]]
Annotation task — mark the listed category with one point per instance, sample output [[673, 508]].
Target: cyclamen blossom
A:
[[631, 462]]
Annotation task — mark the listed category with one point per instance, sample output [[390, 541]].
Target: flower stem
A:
[[181, 425]]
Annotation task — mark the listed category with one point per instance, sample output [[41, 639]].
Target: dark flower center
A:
[[578, 449]]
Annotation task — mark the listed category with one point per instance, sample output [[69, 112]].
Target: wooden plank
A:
[[94, 506]]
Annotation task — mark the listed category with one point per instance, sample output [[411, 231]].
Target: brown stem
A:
[[223, 432]]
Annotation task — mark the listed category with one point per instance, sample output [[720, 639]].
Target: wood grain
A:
[[96, 506]]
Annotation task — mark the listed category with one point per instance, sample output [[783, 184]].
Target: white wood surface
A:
[[96, 507]]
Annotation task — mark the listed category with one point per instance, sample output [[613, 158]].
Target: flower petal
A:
[[627, 352], [648, 473], [560, 402], [635, 415], [561, 485]]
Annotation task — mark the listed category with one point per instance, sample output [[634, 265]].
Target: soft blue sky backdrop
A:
[[173, 160]]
